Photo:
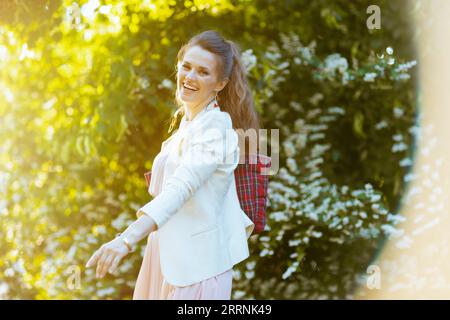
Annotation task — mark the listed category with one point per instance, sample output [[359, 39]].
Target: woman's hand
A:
[[108, 257]]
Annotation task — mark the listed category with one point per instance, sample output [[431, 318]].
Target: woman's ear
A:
[[221, 85]]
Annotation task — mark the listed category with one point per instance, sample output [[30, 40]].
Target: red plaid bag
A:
[[251, 186]]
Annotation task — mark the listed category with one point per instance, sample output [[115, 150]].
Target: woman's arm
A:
[[139, 229], [203, 154]]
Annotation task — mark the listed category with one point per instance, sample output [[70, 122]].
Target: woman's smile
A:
[[189, 88]]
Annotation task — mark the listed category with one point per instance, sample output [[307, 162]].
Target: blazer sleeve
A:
[[204, 152]]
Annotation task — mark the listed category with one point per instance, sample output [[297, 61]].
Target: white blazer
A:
[[202, 229]]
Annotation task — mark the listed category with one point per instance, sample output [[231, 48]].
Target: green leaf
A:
[[358, 122]]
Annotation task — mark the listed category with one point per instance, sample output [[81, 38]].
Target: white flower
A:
[[105, 9], [296, 105], [299, 124], [238, 294], [120, 222], [289, 148], [126, 266], [389, 50], [294, 243], [399, 147], [375, 197], [335, 62], [290, 42], [370, 77], [143, 83], [405, 162], [314, 100], [316, 234], [292, 165], [398, 112], [106, 291], [19, 266], [26, 53], [346, 77], [380, 125], [290, 270], [380, 69], [403, 76], [251, 265], [100, 229], [391, 231], [279, 216], [337, 110], [396, 218], [263, 252], [272, 55], [317, 136], [248, 59], [405, 66], [9, 272], [88, 9], [166, 83], [368, 186], [344, 189], [283, 65], [236, 274], [270, 73], [301, 140], [305, 53]]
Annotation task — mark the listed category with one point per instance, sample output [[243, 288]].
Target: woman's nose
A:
[[191, 75]]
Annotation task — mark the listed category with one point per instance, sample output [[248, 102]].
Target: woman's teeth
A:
[[189, 88]]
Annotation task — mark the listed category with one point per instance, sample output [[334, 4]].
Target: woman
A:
[[196, 228]]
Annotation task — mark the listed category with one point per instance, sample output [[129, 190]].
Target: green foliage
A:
[[84, 106]]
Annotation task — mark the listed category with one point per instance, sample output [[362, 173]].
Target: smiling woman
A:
[[197, 229]]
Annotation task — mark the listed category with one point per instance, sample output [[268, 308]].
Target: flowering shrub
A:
[[329, 213]]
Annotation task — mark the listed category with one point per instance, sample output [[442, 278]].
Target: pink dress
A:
[[150, 284]]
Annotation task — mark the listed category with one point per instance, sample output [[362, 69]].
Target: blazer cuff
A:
[[151, 213]]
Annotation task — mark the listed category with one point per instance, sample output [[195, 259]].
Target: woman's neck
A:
[[192, 111]]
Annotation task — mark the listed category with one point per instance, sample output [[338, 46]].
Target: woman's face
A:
[[197, 76]]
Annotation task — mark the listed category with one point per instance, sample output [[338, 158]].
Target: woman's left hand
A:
[[108, 257]]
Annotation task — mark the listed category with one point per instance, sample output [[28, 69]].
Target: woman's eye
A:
[[201, 72]]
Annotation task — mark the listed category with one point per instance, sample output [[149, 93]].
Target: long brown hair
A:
[[236, 97]]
